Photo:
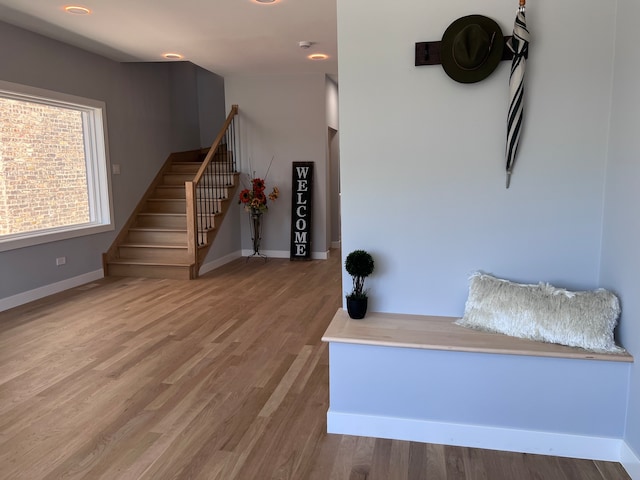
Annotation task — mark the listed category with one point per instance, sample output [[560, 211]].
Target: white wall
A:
[[333, 113], [334, 187], [422, 157], [282, 117], [423, 167], [333, 162], [621, 233]]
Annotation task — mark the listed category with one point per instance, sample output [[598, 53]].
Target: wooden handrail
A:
[[205, 192], [216, 144]]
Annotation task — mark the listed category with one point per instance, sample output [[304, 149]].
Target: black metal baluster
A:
[[216, 193]]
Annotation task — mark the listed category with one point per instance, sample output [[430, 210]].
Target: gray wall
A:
[[197, 105], [183, 97], [621, 232], [152, 110], [211, 105]]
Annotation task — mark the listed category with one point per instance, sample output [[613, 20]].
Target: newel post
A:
[[192, 226]]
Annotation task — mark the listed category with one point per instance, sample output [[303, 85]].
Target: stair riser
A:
[[149, 271], [222, 157], [170, 192], [191, 156], [206, 223], [167, 206], [162, 221], [192, 168], [157, 238], [214, 206], [178, 193], [223, 167], [180, 207], [167, 221], [223, 179], [160, 255], [213, 194]]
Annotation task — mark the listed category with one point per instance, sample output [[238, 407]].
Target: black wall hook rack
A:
[[428, 53]]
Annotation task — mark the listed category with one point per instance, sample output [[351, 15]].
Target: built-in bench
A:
[[441, 333], [424, 378]]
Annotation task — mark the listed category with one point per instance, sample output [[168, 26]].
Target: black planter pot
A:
[[357, 307]]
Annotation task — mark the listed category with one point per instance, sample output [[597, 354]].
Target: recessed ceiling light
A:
[[77, 10], [172, 56], [265, 1], [318, 56]]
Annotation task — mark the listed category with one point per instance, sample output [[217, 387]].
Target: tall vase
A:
[[256, 234]]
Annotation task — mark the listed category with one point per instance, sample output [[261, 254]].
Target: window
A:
[[54, 181]]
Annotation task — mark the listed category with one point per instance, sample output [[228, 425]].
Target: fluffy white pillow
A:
[[543, 312]]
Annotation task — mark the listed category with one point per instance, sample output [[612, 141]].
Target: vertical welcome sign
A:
[[301, 196]]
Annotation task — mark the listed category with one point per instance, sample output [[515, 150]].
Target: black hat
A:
[[471, 48]]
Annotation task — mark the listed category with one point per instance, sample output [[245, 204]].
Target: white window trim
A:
[[94, 118]]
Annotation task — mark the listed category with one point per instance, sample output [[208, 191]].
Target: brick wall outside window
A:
[[43, 178]]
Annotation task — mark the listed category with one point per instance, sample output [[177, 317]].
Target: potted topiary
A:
[[359, 264]]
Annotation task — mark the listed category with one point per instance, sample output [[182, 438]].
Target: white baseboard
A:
[[475, 436], [630, 461], [219, 262], [57, 287], [286, 254], [41, 292]]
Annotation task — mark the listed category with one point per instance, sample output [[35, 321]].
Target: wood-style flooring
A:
[[224, 377]]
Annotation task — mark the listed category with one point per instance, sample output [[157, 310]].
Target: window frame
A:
[[98, 166]]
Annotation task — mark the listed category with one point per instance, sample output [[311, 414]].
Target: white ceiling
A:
[[224, 36]]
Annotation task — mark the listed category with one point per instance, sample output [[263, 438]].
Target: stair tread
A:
[[133, 261], [159, 214], [158, 229], [212, 214], [166, 186], [153, 245]]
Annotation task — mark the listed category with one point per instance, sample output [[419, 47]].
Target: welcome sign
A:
[[301, 196]]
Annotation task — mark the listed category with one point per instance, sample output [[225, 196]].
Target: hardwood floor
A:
[[224, 377]]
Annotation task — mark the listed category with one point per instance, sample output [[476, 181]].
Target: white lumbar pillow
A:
[[543, 312]]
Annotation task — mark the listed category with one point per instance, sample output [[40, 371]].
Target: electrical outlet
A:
[[61, 261], [115, 169]]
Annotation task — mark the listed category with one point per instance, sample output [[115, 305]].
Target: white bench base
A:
[[417, 378]]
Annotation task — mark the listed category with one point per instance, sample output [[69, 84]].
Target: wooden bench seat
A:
[[441, 333]]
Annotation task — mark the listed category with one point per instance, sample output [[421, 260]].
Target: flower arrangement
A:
[[254, 199]]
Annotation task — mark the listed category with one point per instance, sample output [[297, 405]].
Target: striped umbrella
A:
[[519, 45]]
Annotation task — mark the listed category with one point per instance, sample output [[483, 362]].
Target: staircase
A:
[[173, 227]]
